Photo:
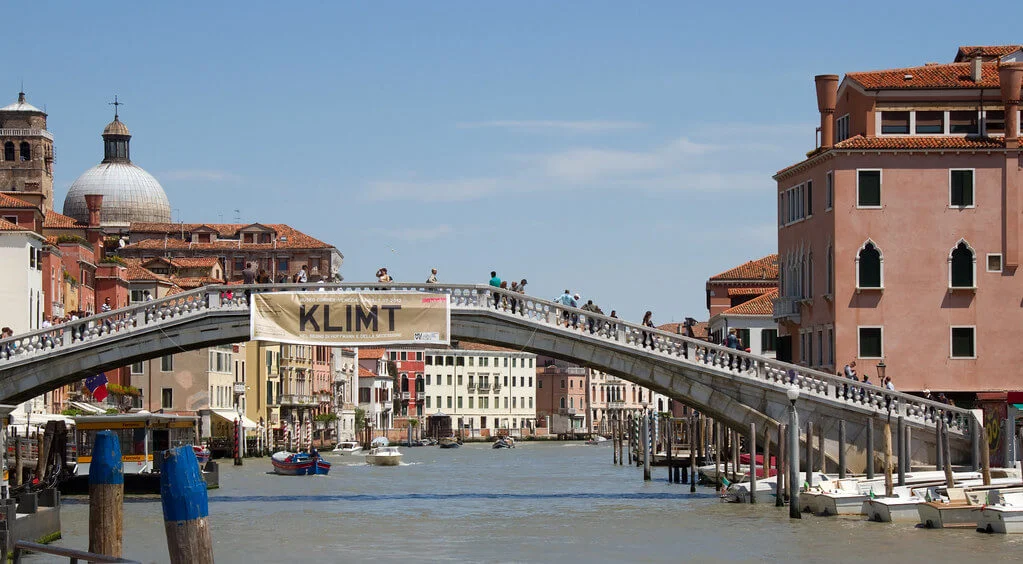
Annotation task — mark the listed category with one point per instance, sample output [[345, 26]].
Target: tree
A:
[[360, 420]]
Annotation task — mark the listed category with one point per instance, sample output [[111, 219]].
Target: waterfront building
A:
[[263, 383], [561, 406], [741, 298], [611, 396], [26, 154], [899, 235], [408, 389], [345, 370], [376, 387], [486, 390]]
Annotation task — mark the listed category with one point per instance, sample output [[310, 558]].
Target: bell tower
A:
[[26, 154]]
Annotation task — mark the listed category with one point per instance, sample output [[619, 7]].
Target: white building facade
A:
[[21, 278], [344, 368]]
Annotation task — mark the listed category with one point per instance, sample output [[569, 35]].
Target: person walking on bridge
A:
[[495, 282], [648, 321], [433, 276]]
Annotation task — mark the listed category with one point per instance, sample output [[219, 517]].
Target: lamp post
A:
[[880, 373], [793, 478]]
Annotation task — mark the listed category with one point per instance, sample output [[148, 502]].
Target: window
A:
[[428, 402], [539, 384], [820, 348], [531, 402], [829, 191], [449, 361], [470, 402], [505, 362], [427, 379], [8, 151], [769, 340], [964, 342], [809, 198], [459, 361], [842, 128], [438, 402], [994, 121], [167, 363], [831, 346], [868, 188], [220, 360], [138, 368], [562, 403], [868, 267], [562, 383], [167, 398], [930, 122], [239, 264], [449, 382], [26, 151], [894, 123], [963, 122], [961, 266], [870, 342], [459, 379], [505, 380], [429, 361], [994, 263], [830, 260], [960, 188], [459, 402], [743, 335]]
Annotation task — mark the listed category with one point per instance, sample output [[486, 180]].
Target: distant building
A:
[[612, 397], [26, 154], [376, 388]]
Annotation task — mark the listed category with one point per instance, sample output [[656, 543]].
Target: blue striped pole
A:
[[185, 508], [106, 495]]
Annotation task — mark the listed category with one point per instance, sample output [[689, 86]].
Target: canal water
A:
[[539, 502]]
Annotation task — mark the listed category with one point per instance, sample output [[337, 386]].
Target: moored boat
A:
[[1005, 516], [449, 442], [347, 448], [299, 463], [384, 456]]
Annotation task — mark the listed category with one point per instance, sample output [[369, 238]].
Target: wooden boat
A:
[[449, 442], [1005, 516], [299, 463], [347, 448], [961, 509], [504, 442], [384, 456], [901, 507], [849, 501]]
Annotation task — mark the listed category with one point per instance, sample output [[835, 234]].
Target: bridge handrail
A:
[[548, 312]]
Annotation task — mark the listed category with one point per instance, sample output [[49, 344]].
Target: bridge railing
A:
[[588, 324]]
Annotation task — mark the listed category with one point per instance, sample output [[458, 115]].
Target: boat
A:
[[384, 456], [848, 500], [299, 463], [960, 508], [597, 440], [504, 442], [379, 442], [347, 448], [449, 442], [901, 506], [1005, 516], [141, 435], [738, 492]]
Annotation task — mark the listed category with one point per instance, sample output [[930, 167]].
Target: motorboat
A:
[[738, 492], [299, 463], [848, 500], [1005, 516], [384, 456], [449, 442], [347, 448], [379, 442], [901, 506], [597, 440], [504, 442], [960, 507]]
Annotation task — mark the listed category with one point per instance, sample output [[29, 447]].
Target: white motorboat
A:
[[1005, 516], [384, 456], [597, 440], [846, 502], [901, 507], [738, 492], [961, 508], [347, 448]]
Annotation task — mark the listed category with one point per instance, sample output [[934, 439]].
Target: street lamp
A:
[[793, 394], [880, 373]]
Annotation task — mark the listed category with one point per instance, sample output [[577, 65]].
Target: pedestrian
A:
[[303, 276], [565, 300], [648, 321], [590, 307], [850, 370], [433, 276], [248, 274], [262, 277], [147, 296], [383, 277], [106, 305], [512, 301], [732, 341], [495, 282], [888, 383], [576, 302]]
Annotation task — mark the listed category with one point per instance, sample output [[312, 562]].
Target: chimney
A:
[[827, 93], [94, 202], [1009, 76], [977, 69]]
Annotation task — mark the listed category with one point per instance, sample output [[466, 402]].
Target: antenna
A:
[[221, 216], [237, 215]]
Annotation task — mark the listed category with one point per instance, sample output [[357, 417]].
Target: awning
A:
[[1018, 406], [87, 407], [230, 416]]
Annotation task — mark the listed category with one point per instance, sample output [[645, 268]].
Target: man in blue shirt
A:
[[495, 282]]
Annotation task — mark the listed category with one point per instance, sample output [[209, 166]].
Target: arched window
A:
[[26, 151], [869, 266], [571, 402], [562, 403], [962, 265], [8, 151]]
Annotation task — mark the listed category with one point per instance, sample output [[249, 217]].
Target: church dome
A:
[[130, 194]]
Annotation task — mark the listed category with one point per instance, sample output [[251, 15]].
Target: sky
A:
[[620, 150]]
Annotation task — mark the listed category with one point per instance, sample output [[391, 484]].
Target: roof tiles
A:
[[760, 305], [8, 226], [950, 75], [765, 268], [10, 202], [54, 220], [920, 142]]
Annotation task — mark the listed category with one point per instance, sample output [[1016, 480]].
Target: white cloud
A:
[[201, 174], [416, 235], [555, 126], [431, 191], [587, 164]]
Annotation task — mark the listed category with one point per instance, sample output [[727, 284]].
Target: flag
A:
[[97, 386]]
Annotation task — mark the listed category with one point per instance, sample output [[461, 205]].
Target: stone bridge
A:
[[733, 387]]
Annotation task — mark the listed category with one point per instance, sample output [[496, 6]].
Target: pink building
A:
[[899, 236], [561, 399]]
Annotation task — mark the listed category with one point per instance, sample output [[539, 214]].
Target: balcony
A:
[[787, 309], [472, 386], [497, 388], [484, 388], [616, 405], [12, 132], [570, 411], [297, 399], [406, 396]]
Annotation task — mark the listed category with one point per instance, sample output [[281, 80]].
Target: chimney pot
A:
[[94, 202], [977, 69], [827, 96], [1010, 75]]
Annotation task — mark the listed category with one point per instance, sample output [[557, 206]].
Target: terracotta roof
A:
[[136, 273], [8, 226], [465, 346], [295, 239], [364, 373], [950, 75], [54, 220], [175, 290], [746, 291], [11, 202], [967, 52], [760, 305], [701, 330], [920, 142], [192, 282], [765, 268], [195, 262], [372, 352]]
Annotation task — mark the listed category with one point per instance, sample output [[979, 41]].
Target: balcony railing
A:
[[9, 132], [566, 411], [616, 405], [787, 308], [297, 399], [472, 386], [484, 388], [406, 396], [497, 388]]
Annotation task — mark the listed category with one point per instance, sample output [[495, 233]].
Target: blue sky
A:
[[622, 150]]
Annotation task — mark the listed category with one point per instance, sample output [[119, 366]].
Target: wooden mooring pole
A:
[[809, 454], [780, 492], [947, 462], [985, 460], [939, 446], [870, 448], [717, 456], [821, 459], [753, 462], [106, 495], [692, 457], [841, 449], [900, 430], [645, 445], [887, 440], [185, 508]]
